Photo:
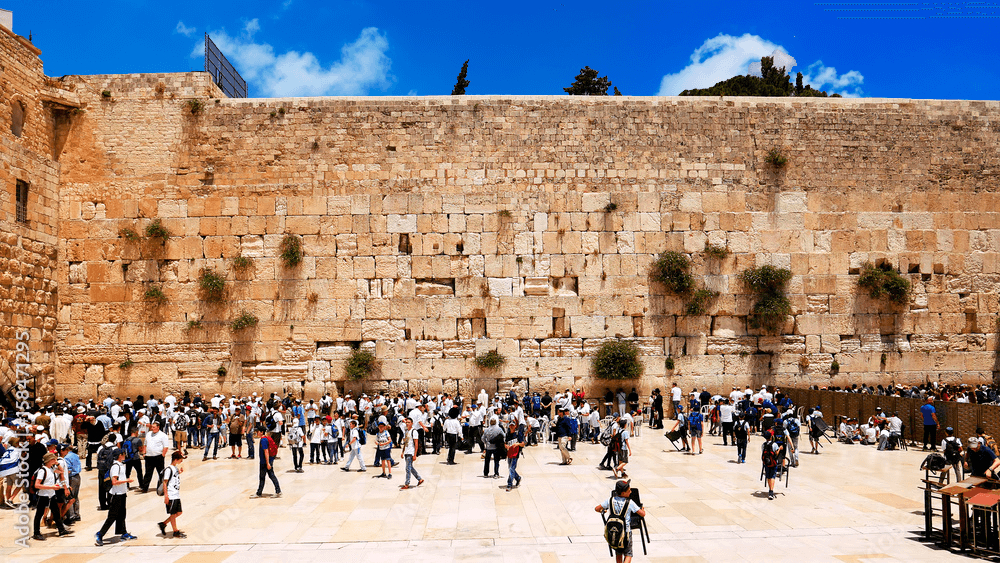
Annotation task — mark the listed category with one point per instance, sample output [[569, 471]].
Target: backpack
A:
[[740, 432], [162, 485], [536, 403], [952, 450], [104, 461], [499, 442], [934, 462], [130, 448], [616, 442], [793, 427], [362, 438], [44, 473], [615, 529], [695, 420], [373, 427]]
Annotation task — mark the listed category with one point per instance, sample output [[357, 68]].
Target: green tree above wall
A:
[[773, 82]]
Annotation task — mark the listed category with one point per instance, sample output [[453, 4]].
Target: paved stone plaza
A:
[[851, 503]]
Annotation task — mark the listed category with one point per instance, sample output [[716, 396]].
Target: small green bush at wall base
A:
[[884, 281], [360, 364], [618, 359], [490, 360], [291, 251], [671, 270], [245, 320]]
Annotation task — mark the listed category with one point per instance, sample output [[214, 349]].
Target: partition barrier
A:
[[963, 417]]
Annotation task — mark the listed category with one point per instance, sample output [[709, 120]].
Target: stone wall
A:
[[435, 229], [28, 248]]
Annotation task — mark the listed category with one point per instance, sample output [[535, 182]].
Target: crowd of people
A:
[[983, 394], [151, 437]]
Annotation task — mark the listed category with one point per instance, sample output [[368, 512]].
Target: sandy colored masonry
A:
[[435, 229]]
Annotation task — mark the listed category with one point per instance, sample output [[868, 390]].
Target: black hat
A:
[[622, 486]]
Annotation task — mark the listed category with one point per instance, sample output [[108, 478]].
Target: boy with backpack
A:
[[618, 526], [741, 436], [953, 454], [695, 426], [773, 454], [117, 505], [172, 494], [105, 459], [133, 447], [268, 451], [793, 429], [45, 484]]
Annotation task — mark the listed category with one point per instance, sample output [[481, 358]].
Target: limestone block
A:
[[536, 286], [730, 345], [561, 347], [830, 344], [382, 329], [327, 352], [690, 202], [429, 349], [465, 348], [499, 287], [587, 326], [593, 202]]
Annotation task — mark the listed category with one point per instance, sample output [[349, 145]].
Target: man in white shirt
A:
[[172, 495], [157, 446], [483, 398], [410, 436], [452, 431], [116, 506], [676, 395], [726, 418]]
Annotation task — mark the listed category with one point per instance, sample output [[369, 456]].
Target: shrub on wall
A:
[[212, 286], [772, 306], [154, 294], [245, 320], [618, 359], [775, 158], [717, 252], [490, 360], [698, 305], [671, 270], [129, 235], [195, 106], [156, 230], [884, 281], [291, 251], [242, 263], [360, 364]]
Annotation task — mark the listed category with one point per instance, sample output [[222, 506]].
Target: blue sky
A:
[[356, 47]]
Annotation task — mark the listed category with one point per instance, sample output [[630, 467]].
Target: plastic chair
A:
[[639, 522]]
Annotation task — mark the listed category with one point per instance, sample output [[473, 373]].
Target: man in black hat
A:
[[620, 504]]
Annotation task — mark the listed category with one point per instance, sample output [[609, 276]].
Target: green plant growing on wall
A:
[[835, 367], [360, 364], [668, 364], [698, 305], [245, 320], [242, 263], [222, 371], [671, 270], [128, 363], [883, 281], [490, 360], [105, 93], [610, 207], [775, 158], [129, 235], [716, 252], [504, 214], [618, 359], [154, 294], [195, 106], [771, 306], [212, 286], [291, 251], [156, 230], [193, 325]]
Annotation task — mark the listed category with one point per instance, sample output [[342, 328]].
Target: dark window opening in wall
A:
[[17, 112], [21, 202], [559, 324]]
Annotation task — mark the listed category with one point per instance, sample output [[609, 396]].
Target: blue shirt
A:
[[928, 412], [264, 450], [72, 463]]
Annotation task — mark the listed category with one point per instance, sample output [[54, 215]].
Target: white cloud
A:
[[185, 30], [725, 56], [411, 93], [363, 65], [824, 77], [286, 4], [721, 57]]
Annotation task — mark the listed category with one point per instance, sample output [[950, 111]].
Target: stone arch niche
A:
[[18, 112]]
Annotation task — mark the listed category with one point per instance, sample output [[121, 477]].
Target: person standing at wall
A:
[[931, 424]]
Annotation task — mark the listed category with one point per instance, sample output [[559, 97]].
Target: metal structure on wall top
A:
[[223, 73]]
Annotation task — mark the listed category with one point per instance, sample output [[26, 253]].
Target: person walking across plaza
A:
[[931, 424], [515, 442], [491, 437], [157, 446], [117, 504], [695, 422], [624, 448], [213, 427], [172, 494], [266, 464], [410, 436], [296, 443], [383, 450], [354, 446], [741, 437], [564, 433], [46, 484], [622, 508]]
